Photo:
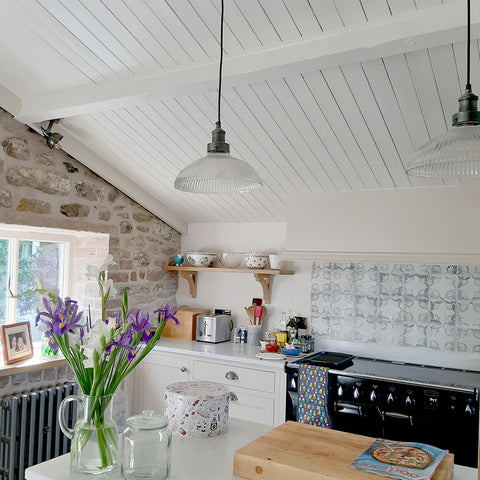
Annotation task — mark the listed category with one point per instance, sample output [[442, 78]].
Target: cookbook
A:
[[402, 460]]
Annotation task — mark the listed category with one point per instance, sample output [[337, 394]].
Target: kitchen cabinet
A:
[[263, 276], [153, 374], [257, 390]]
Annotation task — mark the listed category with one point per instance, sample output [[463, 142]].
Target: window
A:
[[25, 256]]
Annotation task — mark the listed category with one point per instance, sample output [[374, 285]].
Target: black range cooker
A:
[[398, 401]]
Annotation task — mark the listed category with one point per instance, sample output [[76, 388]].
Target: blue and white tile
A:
[[467, 315], [320, 311], [391, 284], [475, 272], [336, 328], [365, 329], [443, 314], [342, 305], [320, 327], [366, 307], [390, 308], [349, 333], [416, 285], [415, 336], [468, 340], [468, 288], [441, 337], [416, 311], [366, 280], [343, 277], [388, 267], [390, 333], [443, 288], [318, 295], [409, 268]]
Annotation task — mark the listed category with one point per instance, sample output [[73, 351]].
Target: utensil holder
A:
[[254, 334]]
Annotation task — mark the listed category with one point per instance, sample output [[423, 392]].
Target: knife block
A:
[[188, 324]]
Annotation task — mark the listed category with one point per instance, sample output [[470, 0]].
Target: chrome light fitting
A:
[[218, 171], [456, 153], [53, 139]]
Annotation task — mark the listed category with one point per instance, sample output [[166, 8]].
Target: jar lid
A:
[[147, 421]]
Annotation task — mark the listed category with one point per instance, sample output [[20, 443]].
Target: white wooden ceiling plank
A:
[[335, 161], [375, 9], [266, 110], [305, 138], [244, 130], [460, 54], [56, 77], [369, 158], [209, 40], [448, 83], [327, 14], [103, 164], [84, 35], [427, 93], [402, 84], [401, 6], [238, 34], [184, 37], [258, 21], [133, 34], [206, 109], [162, 35], [103, 32], [35, 20], [382, 154], [348, 163], [304, 17], [19, 81], [427, 3], [126, 147], [351, 12], [387, 102], [280, 18]]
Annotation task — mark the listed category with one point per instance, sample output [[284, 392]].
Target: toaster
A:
[[213, 328]]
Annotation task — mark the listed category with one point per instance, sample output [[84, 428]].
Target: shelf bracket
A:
[[191, 278], [264, 280]]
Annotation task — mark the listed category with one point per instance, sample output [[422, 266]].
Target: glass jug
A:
[[146, 444]]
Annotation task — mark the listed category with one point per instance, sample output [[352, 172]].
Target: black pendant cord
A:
[[221, 63], [468, 86]]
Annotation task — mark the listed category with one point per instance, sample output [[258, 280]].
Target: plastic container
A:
[[146, 447]]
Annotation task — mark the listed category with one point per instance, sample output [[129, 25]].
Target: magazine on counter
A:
[[403, 460]]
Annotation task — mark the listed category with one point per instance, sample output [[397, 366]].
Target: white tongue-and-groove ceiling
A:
[[319, 95]]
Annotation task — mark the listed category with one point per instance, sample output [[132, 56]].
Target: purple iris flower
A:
[[168, 312], [141, 324], [124, 341]]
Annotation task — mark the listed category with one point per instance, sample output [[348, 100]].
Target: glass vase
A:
[[94, 447]]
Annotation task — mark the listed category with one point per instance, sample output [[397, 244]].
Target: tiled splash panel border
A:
[[434, 307]]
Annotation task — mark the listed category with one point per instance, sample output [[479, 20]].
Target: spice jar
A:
[[146, 444]]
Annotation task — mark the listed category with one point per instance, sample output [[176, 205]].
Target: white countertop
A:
[[235, 352], [193, 458]]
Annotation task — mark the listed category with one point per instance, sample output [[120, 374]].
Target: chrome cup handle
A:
[[61, 413]]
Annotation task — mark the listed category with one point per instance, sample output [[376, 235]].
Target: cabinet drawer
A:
[[251, 407], [234, 376]]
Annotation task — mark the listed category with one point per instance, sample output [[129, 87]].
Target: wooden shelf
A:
[[262, 276]]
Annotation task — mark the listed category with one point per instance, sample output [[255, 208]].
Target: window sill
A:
[[37, 362]]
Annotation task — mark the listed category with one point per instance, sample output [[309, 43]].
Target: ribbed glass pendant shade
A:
[[455, 153], [218, 173]]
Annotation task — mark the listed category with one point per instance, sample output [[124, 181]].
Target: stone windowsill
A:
[[37, 362]]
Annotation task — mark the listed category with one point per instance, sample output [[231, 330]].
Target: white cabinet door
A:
[[152, 376]]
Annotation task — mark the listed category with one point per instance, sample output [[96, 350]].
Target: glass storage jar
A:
[[146, 444]]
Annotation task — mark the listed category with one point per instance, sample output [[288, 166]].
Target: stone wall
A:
[[48, 188]]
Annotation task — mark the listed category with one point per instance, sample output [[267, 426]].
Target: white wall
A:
[[235, 290]]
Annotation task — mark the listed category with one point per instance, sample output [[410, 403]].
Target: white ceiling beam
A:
[[9, 101], [75, 147], [426, 28]]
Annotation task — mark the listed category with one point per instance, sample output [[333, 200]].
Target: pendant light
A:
[[218, 171], [456, 153]]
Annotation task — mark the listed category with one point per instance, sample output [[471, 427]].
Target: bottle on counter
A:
[[282, 334], [291, 330]]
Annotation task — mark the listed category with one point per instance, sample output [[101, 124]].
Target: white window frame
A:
[[16, 234]]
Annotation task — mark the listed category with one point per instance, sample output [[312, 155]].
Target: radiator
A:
[[30, 432]]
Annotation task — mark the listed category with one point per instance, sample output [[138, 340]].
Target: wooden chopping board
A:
[[303, 452]]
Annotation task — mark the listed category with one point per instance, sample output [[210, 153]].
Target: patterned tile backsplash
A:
[[434, 307]]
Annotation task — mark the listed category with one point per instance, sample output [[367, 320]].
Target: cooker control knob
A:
[[373, 395], [409, 401], [469, 410], [340, 391], [356, 392]]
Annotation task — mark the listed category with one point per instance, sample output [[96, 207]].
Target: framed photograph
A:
[[16, 342]]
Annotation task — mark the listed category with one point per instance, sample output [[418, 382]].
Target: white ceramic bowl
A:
[[230, 259], [256, 260], [200, 259]]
